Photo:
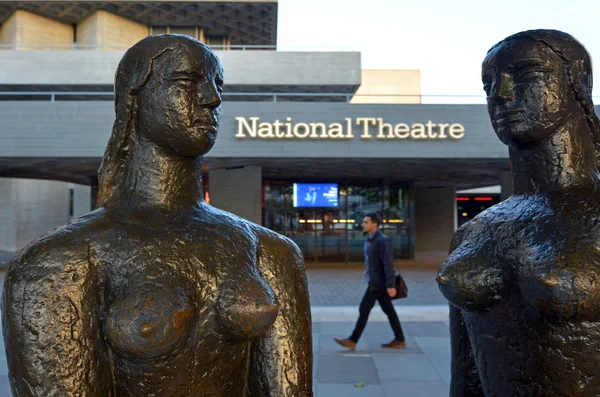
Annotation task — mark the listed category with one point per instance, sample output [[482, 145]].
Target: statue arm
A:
[[465, 380], [51, 330], [281, 361]]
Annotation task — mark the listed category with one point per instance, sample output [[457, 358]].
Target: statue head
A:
[[537, 82], [167, 93]]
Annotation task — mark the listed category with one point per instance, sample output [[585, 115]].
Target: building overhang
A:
[[246, 22], [460, 173]]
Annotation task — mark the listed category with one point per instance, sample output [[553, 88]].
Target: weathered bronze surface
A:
[[523, 277], [156, 293]]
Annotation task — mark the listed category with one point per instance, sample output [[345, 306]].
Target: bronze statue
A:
[[523, 277], [156, 293]]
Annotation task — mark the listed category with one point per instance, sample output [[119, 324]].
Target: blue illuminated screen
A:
[[323, 195]]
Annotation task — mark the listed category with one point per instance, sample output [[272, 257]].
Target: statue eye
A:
[[530, 74]]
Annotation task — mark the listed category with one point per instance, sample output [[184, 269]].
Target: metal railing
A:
[[233, 96], [216, 47], [383, 99]]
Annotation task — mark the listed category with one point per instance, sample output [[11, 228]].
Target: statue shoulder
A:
[[61, 257], [271, 240]]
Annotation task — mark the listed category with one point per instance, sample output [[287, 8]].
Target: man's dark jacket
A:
[[381, 261]]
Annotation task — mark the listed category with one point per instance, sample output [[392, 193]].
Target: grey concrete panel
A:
[[427, 328], [82, 129], [338, 329], [225, 187], [256, 67], [435, 219], [414, 388], [5, 385], [437, 351], [345, 390], [347, 369], [405, 366]]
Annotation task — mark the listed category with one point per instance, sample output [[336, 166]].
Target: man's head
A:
[[371, 223]]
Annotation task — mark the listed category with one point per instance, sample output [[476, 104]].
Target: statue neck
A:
[[156, 178], [559, 164]]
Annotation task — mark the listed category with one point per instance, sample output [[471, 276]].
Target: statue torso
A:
[[526, 274], [183, 298]]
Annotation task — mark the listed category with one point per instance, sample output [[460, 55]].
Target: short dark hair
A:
[[374, 217]]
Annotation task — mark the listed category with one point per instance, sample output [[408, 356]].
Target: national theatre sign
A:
[[365, 127]]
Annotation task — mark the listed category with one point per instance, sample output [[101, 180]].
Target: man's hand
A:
[[391, 292]]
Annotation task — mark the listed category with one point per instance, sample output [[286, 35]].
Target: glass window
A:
[[325, 234], [396, 220], [361, 201]]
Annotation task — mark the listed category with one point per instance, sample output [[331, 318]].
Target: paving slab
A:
[[413, 388], [348, 368], [405, 366], [346, 390]]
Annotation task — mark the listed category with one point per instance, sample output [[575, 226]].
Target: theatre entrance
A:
[[335, 234]]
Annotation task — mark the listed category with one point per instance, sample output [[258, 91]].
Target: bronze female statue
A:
[[156, 293], [523, 277]]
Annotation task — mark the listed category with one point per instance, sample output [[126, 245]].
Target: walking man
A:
[[380, 276]]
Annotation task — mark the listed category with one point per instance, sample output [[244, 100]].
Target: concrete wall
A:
[[31, 208], [8, 237], [505, 185], [81, 200], [82, 129], [241, 67], [238, 191], [27, 31], [435, 219], [8, 30], [109, 31], [389, 86]]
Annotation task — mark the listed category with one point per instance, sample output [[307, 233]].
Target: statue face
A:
[[179, 108], [528, 92]]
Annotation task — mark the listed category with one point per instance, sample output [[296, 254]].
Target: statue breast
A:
[[150, 320]]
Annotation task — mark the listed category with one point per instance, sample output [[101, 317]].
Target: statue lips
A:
[[509, 116]]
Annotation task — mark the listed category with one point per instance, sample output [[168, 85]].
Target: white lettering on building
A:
[[367, 128]]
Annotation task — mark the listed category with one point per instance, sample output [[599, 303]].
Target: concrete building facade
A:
[[291, 120]]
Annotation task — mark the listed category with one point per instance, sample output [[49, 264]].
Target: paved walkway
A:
[[420, 370]]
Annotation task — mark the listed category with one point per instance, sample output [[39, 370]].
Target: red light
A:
[[484, 198], [462, 199]]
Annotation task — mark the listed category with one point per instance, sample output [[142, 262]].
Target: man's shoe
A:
[[395, 344], [345, 343]]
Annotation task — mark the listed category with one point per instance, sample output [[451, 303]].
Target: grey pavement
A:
[[344, 285], [5, 257], [420, 370]]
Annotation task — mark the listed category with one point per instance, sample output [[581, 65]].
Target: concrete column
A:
[[237, 190], [81, 200], [505, 185], [39, 206], [8, 237], [435, 219], [93, 192], [29, 209]]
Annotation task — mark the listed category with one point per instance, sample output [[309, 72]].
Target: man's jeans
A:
[[373, 295]]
